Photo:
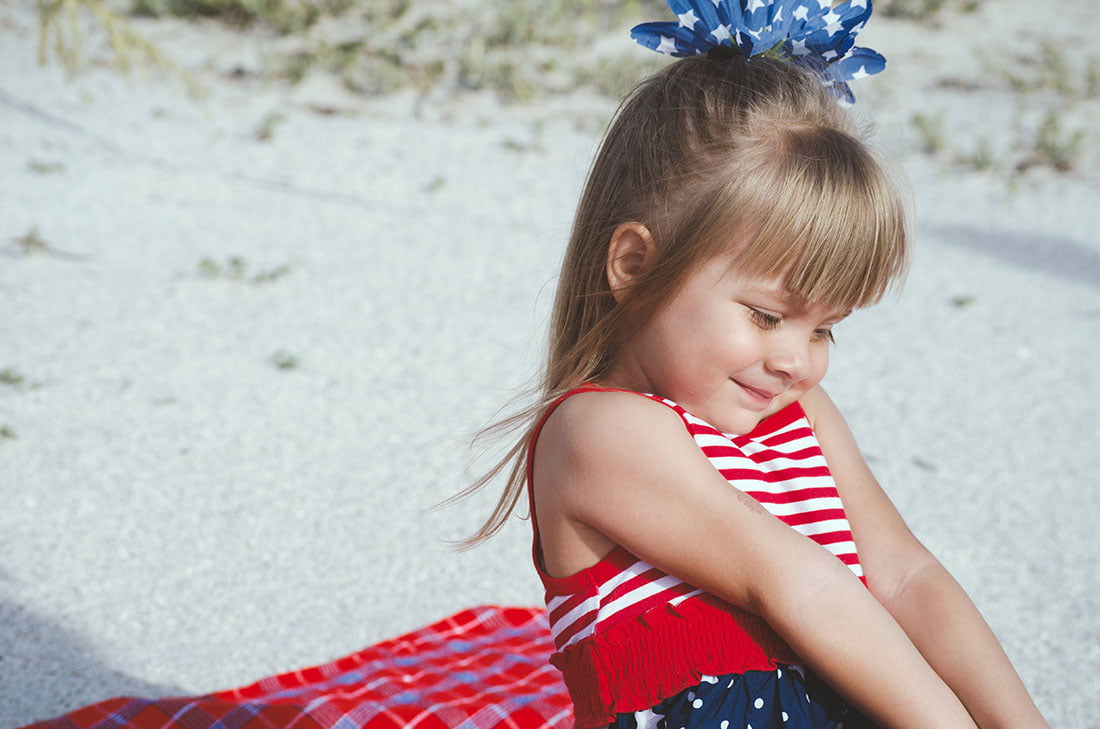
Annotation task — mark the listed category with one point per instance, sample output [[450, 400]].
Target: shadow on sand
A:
[[1065, 258], [47, 670]]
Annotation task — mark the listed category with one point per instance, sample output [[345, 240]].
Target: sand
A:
[[241, 372]]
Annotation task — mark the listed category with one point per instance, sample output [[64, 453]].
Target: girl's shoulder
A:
[[593, 415], [591, 433], [590, 459]]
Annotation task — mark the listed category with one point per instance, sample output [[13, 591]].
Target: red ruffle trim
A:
[[636, 664]]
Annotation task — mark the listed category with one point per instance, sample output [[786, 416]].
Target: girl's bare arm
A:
[[918, 591], [626, 467]]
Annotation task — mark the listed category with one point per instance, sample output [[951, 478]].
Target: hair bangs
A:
[[824, 215]]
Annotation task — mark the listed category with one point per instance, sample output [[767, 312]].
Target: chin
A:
[[745, 420], [738, 423]]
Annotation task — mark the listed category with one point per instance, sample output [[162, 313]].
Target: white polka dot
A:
[[779, 673], [724, 725], [748, 726], [759, 703], [785, 717], [710, 679], [807, 698], [731, 683], [691, 696], [698, 703]]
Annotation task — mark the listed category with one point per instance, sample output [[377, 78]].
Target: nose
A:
[[791, 357]]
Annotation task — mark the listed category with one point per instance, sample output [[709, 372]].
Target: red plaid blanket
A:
[[484, 668]]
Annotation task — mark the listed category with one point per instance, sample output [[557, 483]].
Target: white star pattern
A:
[[801, 28], [646, 719], [688, 19]]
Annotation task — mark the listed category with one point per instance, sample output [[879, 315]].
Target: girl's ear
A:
[[631, 252]]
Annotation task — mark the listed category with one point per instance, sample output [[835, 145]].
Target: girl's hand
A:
[[915, 588], [615, 468]]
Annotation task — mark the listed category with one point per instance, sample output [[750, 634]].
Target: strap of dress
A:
[[535, 548]]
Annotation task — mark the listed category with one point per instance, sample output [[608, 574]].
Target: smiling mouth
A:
[[759, 397]]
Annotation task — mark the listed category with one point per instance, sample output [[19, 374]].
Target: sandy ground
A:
[[242, 371]]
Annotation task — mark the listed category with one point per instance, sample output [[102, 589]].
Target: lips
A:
[[763, 398]]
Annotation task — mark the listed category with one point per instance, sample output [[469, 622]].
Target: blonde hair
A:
[[710, 150]]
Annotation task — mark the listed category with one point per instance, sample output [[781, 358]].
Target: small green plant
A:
[[235, 269], [32, 242], [283, 16], [923, 10], [61, 31], [284, 360], [910, 9], [962, 301], [930, 131], [1046, 69], [265, 132], [1054, 69], [1092, 78], [338, 59], [45, 168], [981, 158], [273, 274], [11, 377], [514, 145], [1054, 146], [7, 433]]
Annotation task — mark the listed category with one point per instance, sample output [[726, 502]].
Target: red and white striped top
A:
[[780, 464]]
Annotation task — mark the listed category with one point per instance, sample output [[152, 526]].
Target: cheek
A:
[[821, 361]]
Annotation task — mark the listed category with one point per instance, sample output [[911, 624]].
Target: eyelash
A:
[[765, 320], [769, 322]]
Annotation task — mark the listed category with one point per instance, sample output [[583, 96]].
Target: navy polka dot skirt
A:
[[786, 698]]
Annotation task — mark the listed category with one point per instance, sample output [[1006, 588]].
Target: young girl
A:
[[715, 550]]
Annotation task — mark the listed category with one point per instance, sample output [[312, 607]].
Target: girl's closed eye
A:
[[768, 321], [764, 320]]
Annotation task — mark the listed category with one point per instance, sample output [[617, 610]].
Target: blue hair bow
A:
[[812, 30]]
